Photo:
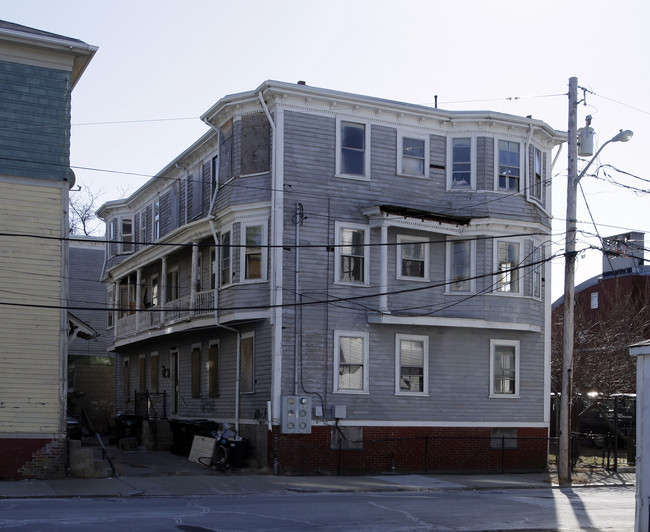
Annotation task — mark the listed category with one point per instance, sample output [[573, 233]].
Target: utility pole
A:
[[564, 455]]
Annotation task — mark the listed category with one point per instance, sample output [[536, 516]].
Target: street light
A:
[[564, 467]]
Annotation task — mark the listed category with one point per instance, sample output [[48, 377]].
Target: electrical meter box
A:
[[296, 414]]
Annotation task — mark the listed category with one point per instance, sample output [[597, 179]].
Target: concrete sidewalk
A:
[[160, 474]]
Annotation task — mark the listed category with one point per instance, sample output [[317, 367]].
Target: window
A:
[[224, 260], [536, 187], [172, 285], [352, 254], [143, 227], [196, 371], [247, 375], [153, 372], [411, 364], [142, 373], [461, 164], [412, 258], [213, 370], [509, 170], [156, 220], [504, 368], [213, 268], [413, 156], [460, 266], [352, 150], [155, 294], [503, 438], [594, 300], [110, 231], [127, 235], [215, 173], [350, 362], [196, 191], [537, 272], [126, 380], [507, 267], [110, 304], [253, 255]]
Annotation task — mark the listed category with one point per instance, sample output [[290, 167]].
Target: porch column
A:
[[195, 277], [138, 298], [383, 270], [163, 289]]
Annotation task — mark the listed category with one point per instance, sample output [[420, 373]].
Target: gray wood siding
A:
[[459, 358], [35, 117], [219, 408]]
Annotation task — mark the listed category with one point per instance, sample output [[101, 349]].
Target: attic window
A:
[[594, 300]]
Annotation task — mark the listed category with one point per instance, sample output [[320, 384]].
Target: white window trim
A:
[[226, 229], [398, 364], [337, 253], [509, 343], [401, 135], [496, 166], [398, 256], [243, 337], [450, 159], [495, 268], [366, 358], [242, 251], [366, 160]]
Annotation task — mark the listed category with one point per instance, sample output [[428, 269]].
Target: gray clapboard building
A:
[[347, 280]]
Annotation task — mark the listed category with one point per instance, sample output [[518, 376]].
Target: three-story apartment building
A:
[[325, 270]]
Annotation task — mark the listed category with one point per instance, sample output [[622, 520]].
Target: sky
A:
[[162, 63]]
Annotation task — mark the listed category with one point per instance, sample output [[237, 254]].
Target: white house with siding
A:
[[353, 283], [37, 73]]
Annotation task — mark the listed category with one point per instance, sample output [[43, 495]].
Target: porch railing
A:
[[172, 311]]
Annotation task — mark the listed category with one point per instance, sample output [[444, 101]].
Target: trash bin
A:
[[237, 451], [126, 426]]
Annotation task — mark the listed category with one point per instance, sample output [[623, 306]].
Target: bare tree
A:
[[82, 219], [601, 359]]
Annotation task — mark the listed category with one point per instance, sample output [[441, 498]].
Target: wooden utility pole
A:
[[564, 455]]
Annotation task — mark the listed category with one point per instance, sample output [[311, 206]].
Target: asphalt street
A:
[[566, 509]]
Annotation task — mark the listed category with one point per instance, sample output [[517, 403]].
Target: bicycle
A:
[[219, 461]]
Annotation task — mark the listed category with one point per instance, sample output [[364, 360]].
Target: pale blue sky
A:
[[172, 60]]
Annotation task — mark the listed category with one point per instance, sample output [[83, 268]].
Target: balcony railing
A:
[[177, 309]]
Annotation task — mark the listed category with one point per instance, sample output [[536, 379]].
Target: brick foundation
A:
[[408, 449], [32, 458]]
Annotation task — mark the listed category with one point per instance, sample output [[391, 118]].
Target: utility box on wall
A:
[[296, 414]]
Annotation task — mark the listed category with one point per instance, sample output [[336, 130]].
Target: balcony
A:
[[182, 309]]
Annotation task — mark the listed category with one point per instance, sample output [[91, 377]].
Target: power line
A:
[[283, 305]]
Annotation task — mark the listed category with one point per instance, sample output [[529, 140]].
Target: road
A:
[[610, 508]]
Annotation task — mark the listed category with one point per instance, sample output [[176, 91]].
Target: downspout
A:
[[276, 261]]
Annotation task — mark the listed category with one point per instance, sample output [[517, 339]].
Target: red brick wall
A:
[[411, 449], [32, 458]]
